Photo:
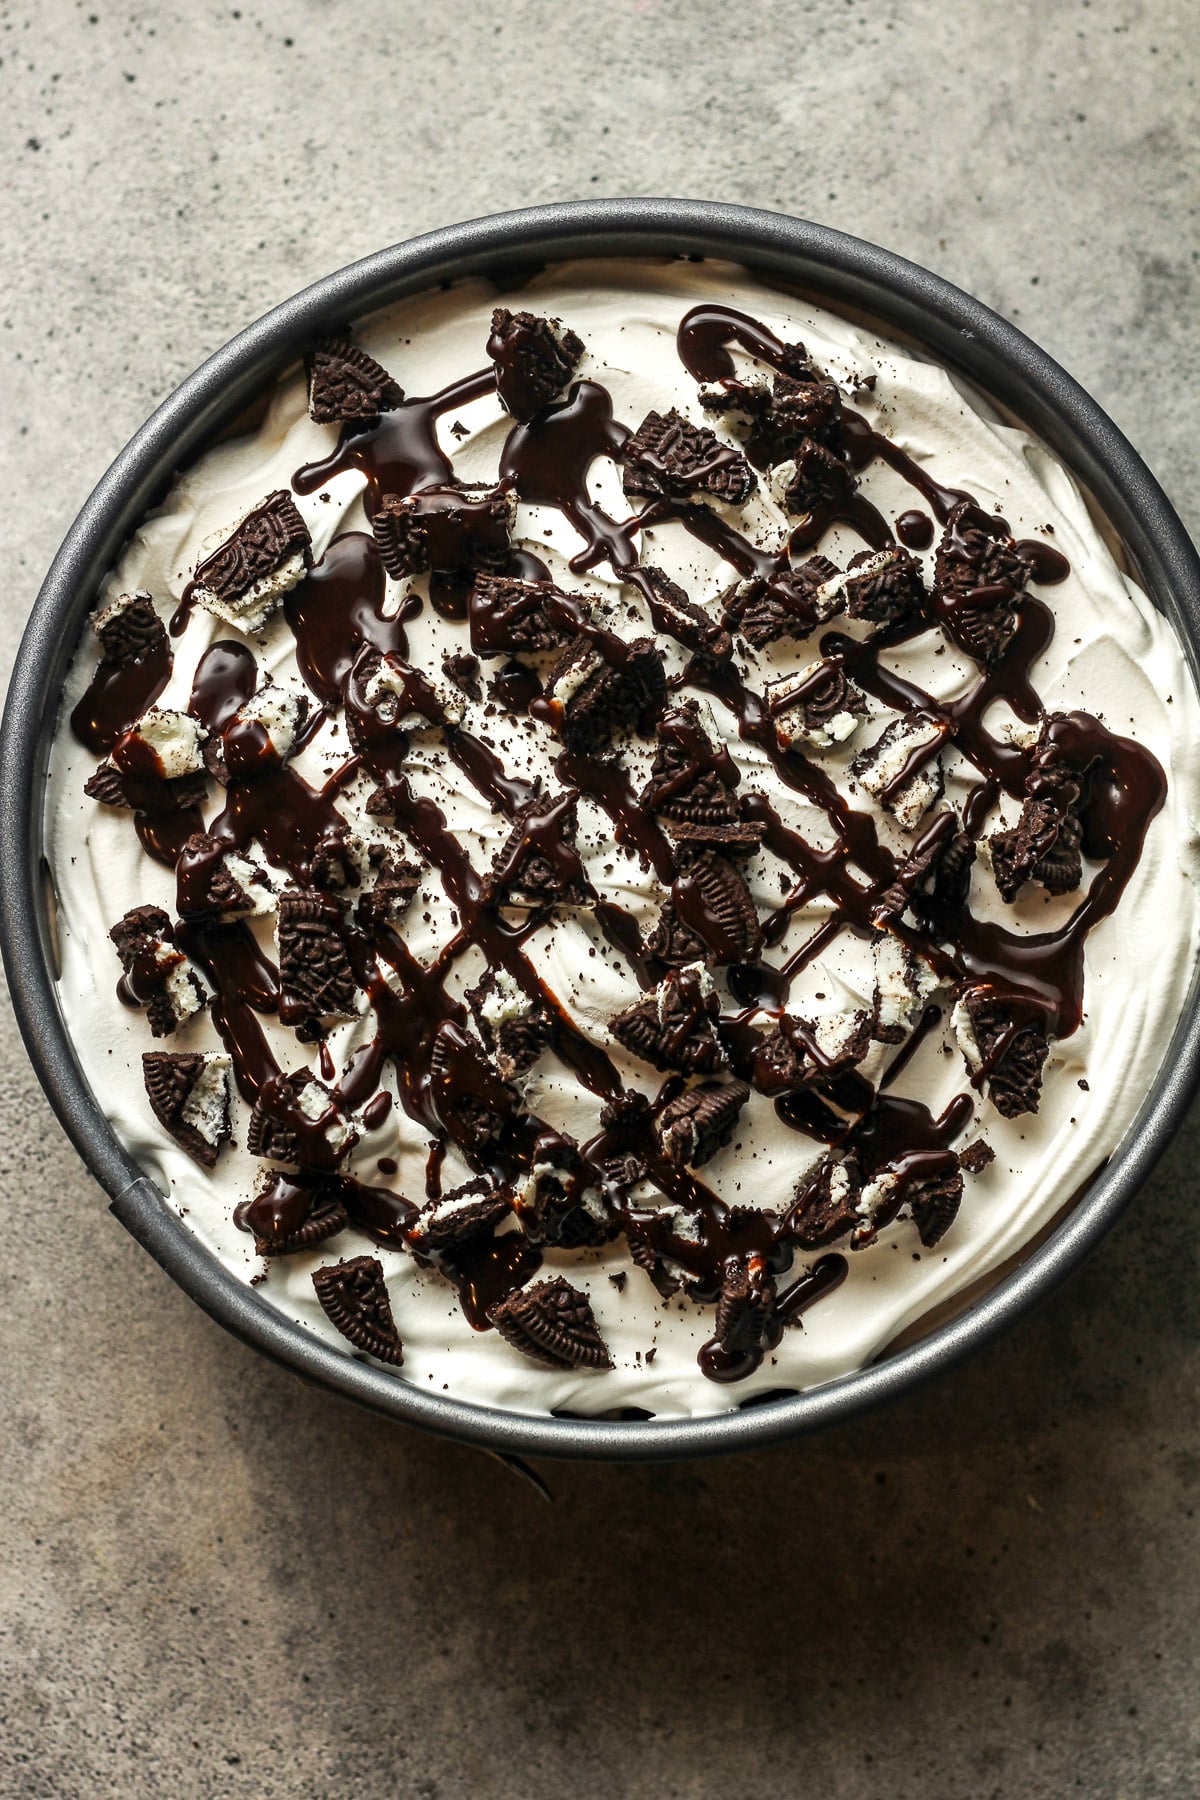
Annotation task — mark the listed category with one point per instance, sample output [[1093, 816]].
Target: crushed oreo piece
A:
[[453, 528], [472, 1102], [129, 629], [105, 786], [884, 586], [212, 877], [284, 1121], [558, 1202], [538, 864], [710, 897], [669, 458], [798, 1053], [191, 1096], [598, 698], [507, 616], [902, 768], [463, 670], [293, 1213], [746, 1308], [826, 1204], [513, 1028], [673, 942], [934, 877], [553, 1323], [811, 480], [469, 1212], [1004, 1045], [672, 1026], [1045, 846], [346, 384], [903, 984], [934, 1200], [395, 881], [976, 1156], [789, 604], [978, 578], [316, 981], [354, 1298], [692, 783], [266, 555], [684, 619], [819, 705], [534, 360], [157, 976], [695, 1125]]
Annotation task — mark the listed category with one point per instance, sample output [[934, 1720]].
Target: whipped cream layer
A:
[[1111, 654]]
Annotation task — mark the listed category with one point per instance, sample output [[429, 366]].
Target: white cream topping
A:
[[1112, 654]]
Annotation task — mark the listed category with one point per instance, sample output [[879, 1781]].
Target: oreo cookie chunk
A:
[[901, 768], [212, 877], [1046, 845], [673, 611], [508, 616], [884, 586], [558, 1201], [346, 386], [296, 1120], [512, 1027], [819, 706], [1004, 1045], [812, 480], [354, 1298], [463, 670], [669, 458], [317, 986], [264, 726], [191, 1094], [670, 941], [903, 984], [594, 698], [673, 1025], [932, 1191], [129, 629], [453, 529], [979, 575], [692, 783], [472, 1102], [711, 899], [789, 604], [394, 881], [746, 1308], [538, 864], [801, 1053], [454, 1220], [935, 876], [552, 1323], [157, 976], [534, 360], [694, 1126], [827, 1204], [291, 1213], [263, 558]]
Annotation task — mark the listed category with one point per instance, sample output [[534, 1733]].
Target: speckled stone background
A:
[[217, 1582]]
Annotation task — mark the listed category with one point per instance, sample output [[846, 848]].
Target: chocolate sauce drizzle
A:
[[443, 1078]]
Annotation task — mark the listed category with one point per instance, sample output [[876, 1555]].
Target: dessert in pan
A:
[[628, 843]]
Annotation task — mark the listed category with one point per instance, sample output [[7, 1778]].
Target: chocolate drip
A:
[[399, 452], [117, 696]]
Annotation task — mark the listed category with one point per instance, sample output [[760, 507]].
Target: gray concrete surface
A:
[[216, 1582]]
